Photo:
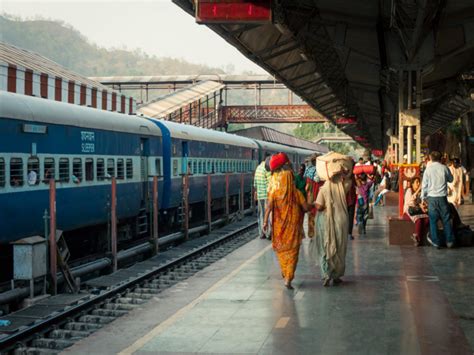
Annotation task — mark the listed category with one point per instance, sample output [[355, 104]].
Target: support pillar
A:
[[155, 215], [53, 263], [113, 224]]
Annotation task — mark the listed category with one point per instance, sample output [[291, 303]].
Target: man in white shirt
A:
[[435, 191]]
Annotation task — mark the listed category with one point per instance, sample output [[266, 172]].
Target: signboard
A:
[[233, 11], [34, 128], [377, 152], [346, 120]]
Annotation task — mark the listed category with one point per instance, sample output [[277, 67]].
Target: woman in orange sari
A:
[[287, 205]]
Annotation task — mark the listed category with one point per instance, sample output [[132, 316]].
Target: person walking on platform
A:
[[287, 206], [312, 189], [260, 184], [332, 219], [351, 200], [363, 199], [434, 190]]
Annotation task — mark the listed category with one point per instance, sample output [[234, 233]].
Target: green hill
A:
[[68, 47]]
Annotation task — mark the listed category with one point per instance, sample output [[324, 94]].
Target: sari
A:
[[287, 221], [332, 229]]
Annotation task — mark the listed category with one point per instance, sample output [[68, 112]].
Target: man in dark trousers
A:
[[434, 191]]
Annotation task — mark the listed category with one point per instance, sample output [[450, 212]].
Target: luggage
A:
[[331, 164], [364, 169], [464, 237]]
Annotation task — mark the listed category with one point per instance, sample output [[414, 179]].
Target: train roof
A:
[[30, 108], [188, 132]]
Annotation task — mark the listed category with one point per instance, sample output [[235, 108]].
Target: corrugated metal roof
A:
[[186, 78], [271, 135], [34, 61], [164, 105]]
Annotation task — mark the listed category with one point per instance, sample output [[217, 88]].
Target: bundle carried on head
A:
[[331, 164]]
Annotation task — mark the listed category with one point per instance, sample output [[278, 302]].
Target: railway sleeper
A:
[[129, 300], [120, 306], [144, 296], [56, 344], [108, 312], [89, 318], [68, 334], [34, 351], [147, 290], [81, 326]]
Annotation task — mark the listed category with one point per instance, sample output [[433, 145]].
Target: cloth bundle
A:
[[332, 164]]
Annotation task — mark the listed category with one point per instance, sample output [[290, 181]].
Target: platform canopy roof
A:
[[167, 104], [344, 57], [272, 135]]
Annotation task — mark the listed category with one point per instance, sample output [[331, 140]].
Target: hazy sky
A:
[[156, 26]]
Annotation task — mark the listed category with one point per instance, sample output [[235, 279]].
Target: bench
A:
[[400, 231]]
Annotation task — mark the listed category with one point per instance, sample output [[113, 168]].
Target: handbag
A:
[[414, 210]]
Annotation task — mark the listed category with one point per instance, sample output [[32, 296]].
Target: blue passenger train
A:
[[82, 148]]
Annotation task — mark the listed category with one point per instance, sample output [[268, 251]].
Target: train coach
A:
[[83, 148]]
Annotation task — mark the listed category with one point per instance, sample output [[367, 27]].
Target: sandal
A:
[[326, 281]]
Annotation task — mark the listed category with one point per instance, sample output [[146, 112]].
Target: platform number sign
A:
[[87, 142], [233, 11]]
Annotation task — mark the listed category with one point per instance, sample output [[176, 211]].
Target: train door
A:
[[144, 152], [184, 158]]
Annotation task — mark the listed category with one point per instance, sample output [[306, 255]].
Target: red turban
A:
[[278, 160]]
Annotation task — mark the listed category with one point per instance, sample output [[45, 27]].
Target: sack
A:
[[331, 164], [413, 211], [364, 169]]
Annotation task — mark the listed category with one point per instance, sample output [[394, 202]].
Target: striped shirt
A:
[[260, 181]]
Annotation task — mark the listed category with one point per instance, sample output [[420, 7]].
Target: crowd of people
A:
[[334, 191]]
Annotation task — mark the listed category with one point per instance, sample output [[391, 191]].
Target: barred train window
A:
[[195, 167], [100, 169], [33, 171], [110, 167], [158, 166], [120, 169], [64, 170], [16, 172], [2, 172], [49, 170], [129, 169], [77, 170], [175, 167], [89, 169]]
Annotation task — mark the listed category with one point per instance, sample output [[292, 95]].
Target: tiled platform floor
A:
[[395, 300]]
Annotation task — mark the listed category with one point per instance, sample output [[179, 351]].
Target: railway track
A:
[[58, 331]]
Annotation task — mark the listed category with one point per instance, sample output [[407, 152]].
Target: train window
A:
[[120, 169], [175, 167], [208, 167], [89, 169], [77, 170], [2, 172], [64, 170], [195, 169], [158, 166], [16, 172], [33, 171], [129, 168], [110, 168], [100, 169], [48, 170]]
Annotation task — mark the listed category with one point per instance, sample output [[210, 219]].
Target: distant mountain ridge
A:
[[68, 47]]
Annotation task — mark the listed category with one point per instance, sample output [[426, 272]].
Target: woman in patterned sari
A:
[[287, 205]]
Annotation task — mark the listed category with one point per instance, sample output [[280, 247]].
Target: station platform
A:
[[394, 300]]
